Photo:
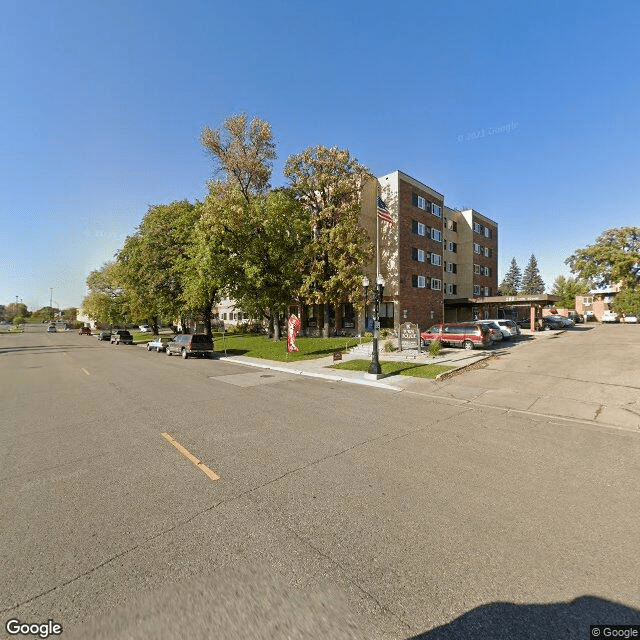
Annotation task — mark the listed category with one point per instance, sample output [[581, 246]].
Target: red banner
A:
[[293, 326]]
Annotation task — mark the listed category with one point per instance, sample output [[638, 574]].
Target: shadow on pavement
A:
[[505, 620], [43, 348]]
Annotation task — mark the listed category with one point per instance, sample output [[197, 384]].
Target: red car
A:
[[466, 335]]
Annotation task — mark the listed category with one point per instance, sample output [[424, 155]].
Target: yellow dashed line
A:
[[189, 456]]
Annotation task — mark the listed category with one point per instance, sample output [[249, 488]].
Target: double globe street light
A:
[[374, 367]]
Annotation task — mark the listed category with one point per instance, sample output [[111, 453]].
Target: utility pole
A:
[[51, 303]]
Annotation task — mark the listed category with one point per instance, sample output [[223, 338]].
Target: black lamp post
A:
[[375, 368]]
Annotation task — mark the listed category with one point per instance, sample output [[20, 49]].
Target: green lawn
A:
[[395, 368], [261, 347]]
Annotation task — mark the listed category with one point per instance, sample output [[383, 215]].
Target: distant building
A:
[[597, 301]]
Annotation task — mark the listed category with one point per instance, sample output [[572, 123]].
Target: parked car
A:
[[121, 336], [610, 316], [51, 328], [104, 335], [465, 335], [186, 345], [494, 329], [159, 344], [589, 315], [631, 319], [84, 331], [508, 328], [576, 317], [145, 328], [552, 322]]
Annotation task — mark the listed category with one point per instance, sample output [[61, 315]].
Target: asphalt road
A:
[[340, 511]]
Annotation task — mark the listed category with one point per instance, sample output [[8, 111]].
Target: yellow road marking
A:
[[85, 371], [189, 456]]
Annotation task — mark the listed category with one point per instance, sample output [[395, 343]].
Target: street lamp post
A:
[[374, 367]]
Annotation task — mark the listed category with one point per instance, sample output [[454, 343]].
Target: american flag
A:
[[383, 212]]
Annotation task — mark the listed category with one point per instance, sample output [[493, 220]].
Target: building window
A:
[[476, 269], [436, 235], [436, 209], [476, 248], [436, 259], [488, 233], [419, 281], [477, 227], [453, 225], [422, 203], [453, 289], [452, 267], [488, 252], [436, 284], [487, 291], [476, 289], [417, 254], [453, 247], [587, 300], [418, 228]]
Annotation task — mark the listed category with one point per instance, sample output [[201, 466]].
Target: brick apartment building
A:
[[437, 262]]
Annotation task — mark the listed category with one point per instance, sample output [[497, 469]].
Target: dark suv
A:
[[197, 344], [121, 336]]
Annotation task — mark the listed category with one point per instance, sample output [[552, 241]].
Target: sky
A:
[[529, 112]]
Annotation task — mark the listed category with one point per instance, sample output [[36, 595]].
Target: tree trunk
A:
[[325, 320], [154, 326], [276, 327]]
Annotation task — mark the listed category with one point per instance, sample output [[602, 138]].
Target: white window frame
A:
[[476, 247], [476, 269], [422, 203], [436, 259], [476, 290], [422, 282], [420, 255], [487, 232], [451, 246], [486, 291], [422, 230], [436, 285], [477, 227], [436, 234], [486, 252], [436, 209], [450, 289], [450, 267]]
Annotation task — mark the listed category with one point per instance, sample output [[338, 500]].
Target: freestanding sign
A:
[[409, 336], [293, 326]]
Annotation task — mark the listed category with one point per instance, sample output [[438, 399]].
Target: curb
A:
[[312, 374], [480, 363]]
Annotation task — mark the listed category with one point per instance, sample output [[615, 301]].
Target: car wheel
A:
[[185, 355], [168, 351], [467, 344], [148, 348]]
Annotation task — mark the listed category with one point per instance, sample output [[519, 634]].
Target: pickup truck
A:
[[121, 336]]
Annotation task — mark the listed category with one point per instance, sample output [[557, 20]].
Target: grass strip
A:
[[397, 368]]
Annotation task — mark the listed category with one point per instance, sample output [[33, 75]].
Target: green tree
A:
[[511, 283], [268, 245], [243, 152], [151, 263], [70, 314], [104, 302], [12, 310], [328, 182], [532, 282], [613, 258], [567, 289], [628, 301]]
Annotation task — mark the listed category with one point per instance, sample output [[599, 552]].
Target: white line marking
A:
[[85, 371]]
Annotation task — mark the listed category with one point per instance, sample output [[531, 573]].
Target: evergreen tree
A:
[[532, 281], [511, 283]]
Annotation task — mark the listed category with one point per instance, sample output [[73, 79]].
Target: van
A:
[[469, 335]]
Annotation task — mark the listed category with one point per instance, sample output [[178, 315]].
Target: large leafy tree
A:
[[151, 263], [104, 302], [567, 289], [532, 282], [628, 301], [242, 152], [613, 258], [328, 182], [511, 283]]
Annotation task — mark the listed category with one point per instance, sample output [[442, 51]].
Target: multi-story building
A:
[[436, 261]]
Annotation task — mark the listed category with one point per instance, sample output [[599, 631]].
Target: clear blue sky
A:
[[103, 104]]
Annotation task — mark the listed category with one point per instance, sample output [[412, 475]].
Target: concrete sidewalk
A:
[[514, 377]]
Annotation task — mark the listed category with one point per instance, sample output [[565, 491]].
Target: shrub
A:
[[367, 334], [384, 333], [388, 346], [435, 347]]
